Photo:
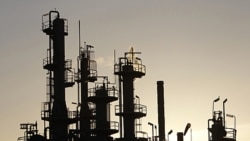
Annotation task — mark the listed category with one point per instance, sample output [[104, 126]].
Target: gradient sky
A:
[[199, 48]]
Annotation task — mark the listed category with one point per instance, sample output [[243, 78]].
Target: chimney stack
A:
[[161, 117]]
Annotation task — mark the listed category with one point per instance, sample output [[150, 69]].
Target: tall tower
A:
[[102, 95], [128, 69], [60, 76], [87, 72], [161, 112]]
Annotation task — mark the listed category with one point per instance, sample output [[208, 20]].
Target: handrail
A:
[[69, 77], [48, 24], [137, 67], [231, 133], [45, 112], [138, 108], [112, 125], [111, 92], [142, 133], [47, 61], [68, 64]]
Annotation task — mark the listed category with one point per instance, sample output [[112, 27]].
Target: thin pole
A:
[[79, 37], [191, 138], [224, 111], [120, 100]]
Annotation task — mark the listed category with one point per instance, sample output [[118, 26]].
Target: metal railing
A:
[[49, 25], [111, 125], [69, 77], [46, 110], [68, 64], [47, 61], [231, 133], [138, 108], [110, 92], [136, 67]]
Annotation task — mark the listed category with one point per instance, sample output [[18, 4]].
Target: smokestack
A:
[[161, 117]]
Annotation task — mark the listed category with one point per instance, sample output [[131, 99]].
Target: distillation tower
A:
[[128, 69], [92, 115], [60, 76], [91, 121], [94, 120], [86, 72]]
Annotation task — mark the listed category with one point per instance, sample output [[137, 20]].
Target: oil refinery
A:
[[92, 119]]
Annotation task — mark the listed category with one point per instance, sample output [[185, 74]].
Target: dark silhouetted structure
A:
[[217, 130], [128, 69], [101, 126], [60, 76], [161, 112], [87, 72], [91, 121], [180, 135]]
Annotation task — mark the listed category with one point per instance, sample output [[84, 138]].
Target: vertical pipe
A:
[[224, 112], [161, 117], [84, 111], [120, 101], [78, 76], [152, 126]]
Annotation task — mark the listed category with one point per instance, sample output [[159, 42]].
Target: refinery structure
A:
[[92, 118]]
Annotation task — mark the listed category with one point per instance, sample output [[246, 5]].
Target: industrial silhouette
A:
[[91, 119]]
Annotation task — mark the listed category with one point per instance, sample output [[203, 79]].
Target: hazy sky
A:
[[199, 48]]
